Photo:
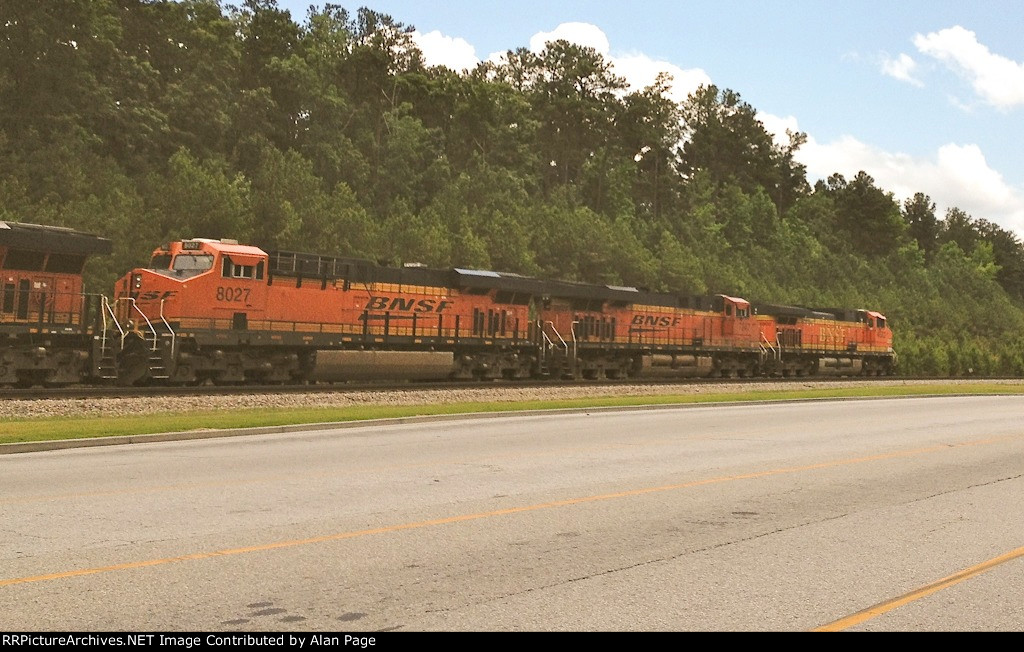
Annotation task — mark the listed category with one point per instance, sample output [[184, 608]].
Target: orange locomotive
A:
[[229, 313], [220, 311], [48, 327], [620, 331]]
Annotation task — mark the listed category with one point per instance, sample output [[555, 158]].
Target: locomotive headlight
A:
[[137, 281]]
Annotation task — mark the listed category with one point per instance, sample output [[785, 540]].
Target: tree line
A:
[[150, 120]]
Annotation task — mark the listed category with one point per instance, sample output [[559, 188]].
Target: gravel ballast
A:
[[107, 407]]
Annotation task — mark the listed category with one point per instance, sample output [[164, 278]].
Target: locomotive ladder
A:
[[156, 364], [769, 351], [570, 360], [174, 336], [546, 346], [106, 366]]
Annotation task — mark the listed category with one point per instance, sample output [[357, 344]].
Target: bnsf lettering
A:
[[153, 295], [659, 322], [402, 304]]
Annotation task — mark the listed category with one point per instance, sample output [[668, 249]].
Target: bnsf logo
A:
[[651, 320], [402, 304]]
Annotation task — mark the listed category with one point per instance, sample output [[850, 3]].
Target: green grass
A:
[[42, 429]]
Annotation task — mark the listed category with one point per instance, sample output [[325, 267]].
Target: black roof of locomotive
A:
[[777, 310], [360, 270], [37, 237]]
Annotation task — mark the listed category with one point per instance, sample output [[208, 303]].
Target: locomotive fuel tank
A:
[[840, 366], [663, 365], [336, 366]]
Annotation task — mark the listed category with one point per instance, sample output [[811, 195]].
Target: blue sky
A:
[[923, 95]]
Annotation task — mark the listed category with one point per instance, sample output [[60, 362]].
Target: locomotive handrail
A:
[[105, 309], [776, 353], [135, 306], [546, 344], [168, 327], [559, 336], [547, 339], [572, 329]]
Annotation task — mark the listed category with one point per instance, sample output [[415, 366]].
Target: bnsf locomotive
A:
[[215, 310], [50, 332]]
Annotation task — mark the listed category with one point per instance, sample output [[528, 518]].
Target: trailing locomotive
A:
[[50, 331], [222, 312], [230, 313]]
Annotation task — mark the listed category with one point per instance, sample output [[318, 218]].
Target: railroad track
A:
[[89, 392]]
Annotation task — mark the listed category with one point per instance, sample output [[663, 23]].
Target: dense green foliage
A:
[[147, 120]]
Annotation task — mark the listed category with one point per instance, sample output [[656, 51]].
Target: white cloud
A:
[[641, 71], [441, 50], [901, 68], [997, 80], [638, 69], [584, 34], [777, 127], [956, 176]]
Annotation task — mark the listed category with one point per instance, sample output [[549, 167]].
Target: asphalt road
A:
[[790, 516]]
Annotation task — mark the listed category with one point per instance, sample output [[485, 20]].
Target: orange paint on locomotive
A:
[[211, 285], [40, 287], [648, 325], [868, 333]]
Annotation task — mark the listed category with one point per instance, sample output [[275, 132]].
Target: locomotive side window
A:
[[728, 310], [8, 301], [881, 323], [230, 270]]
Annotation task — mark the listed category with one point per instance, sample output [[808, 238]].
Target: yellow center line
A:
[[924, 591], [501, 512]]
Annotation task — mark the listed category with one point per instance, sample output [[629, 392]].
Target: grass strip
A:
[[57, 428]]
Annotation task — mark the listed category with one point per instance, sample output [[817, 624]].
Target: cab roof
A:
[[59, 239], [222, 246]]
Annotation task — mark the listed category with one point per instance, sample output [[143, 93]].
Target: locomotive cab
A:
[[879, 334], [211, 285], [736, 322], [196, 279], [732, 307]]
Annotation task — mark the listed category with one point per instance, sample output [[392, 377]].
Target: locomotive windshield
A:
[[192, 264], [160, 261]]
